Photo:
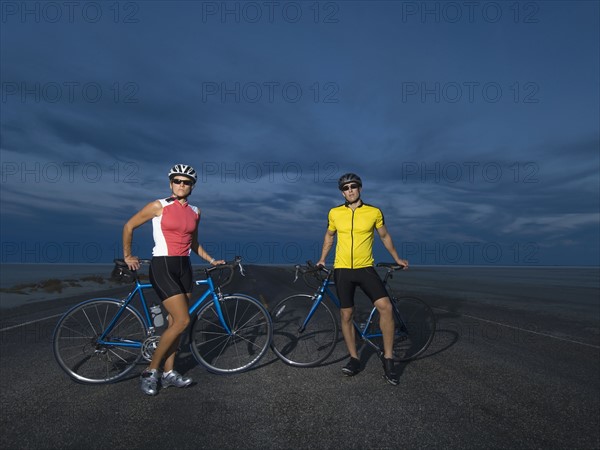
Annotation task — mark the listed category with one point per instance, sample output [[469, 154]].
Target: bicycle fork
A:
[[311, 312], [217, 301], [314, 307]]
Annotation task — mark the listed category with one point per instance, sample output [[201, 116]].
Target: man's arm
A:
[[327, 244], [389, 245]]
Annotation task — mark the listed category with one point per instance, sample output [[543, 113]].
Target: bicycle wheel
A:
[[222, 352], [76, 346], [303, 347], [415, 327]]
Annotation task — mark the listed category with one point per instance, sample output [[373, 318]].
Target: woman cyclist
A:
[[175, 231]]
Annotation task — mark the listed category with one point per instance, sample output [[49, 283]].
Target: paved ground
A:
[[512, 365]]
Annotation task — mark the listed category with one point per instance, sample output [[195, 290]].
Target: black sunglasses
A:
[[349, 186], [180, 181]]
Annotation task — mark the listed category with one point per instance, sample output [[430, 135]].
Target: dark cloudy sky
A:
[[474, 125]]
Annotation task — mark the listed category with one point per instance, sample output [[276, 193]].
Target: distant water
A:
[[13, 274], [475, 276], [581, 277]]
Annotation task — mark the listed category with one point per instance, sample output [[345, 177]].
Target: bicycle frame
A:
[[324, 290], [139, 289], [306, 329]]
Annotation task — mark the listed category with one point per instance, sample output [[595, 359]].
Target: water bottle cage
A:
[[157, 316]]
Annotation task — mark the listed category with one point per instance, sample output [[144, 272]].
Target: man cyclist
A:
[[355, 223]]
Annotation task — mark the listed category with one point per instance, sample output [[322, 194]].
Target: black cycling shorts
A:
[[346, 281], [171, 275]]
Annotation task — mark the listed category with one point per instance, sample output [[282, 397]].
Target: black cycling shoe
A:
[[389, 371], [352, 368]]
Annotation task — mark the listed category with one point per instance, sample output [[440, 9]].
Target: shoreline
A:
[[46, 282]]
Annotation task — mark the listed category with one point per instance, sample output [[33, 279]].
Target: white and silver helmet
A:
[[183, 170]]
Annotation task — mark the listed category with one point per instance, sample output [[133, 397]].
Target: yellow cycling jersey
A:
[[355, 232]]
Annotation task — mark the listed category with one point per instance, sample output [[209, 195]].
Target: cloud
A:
[[550, 225], [210, 93]]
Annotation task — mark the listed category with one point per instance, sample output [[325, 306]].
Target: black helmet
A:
[[349, 178], [183, 170]]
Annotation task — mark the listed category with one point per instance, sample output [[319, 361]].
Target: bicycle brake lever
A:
[[242, 272], [296, 275]]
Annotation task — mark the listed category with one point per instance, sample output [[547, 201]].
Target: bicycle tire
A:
[[75, 341], [224, 353], [414, 331], [311, 346]]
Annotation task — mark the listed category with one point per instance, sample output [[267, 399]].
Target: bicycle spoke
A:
[[415, 328], [312, 345], [77, 351], [248, 339], [89, 322]]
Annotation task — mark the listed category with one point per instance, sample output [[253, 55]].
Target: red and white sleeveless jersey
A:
[[173, 229]]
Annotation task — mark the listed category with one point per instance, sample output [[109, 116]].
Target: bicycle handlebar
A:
[[122, 272], [236, 262], [310, 269], [392, 267], [121, 262]]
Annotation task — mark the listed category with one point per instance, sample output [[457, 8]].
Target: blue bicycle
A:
[[305, 330], [101, 340]]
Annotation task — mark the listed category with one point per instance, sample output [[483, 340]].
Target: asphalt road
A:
[[498, 375]]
